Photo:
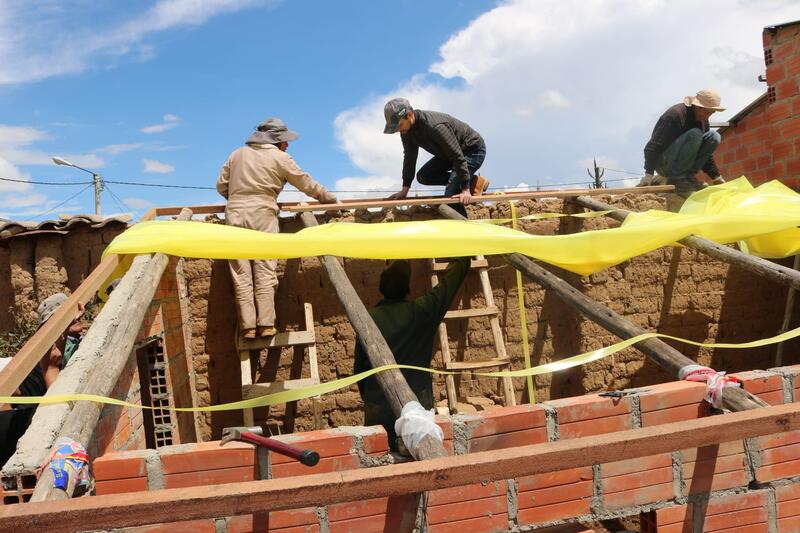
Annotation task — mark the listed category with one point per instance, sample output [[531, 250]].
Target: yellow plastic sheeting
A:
[[330, 386], [765, 218]]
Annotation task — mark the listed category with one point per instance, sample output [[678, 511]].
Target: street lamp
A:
[[98, 183]]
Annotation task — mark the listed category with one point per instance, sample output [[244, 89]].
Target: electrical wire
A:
[[64, 202], [49, 182], [117, 200]]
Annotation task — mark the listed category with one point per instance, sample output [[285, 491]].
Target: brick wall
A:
[[763, 142], [679, 292], [735, 486]]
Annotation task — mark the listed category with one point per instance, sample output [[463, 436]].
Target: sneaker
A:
[[478, 185], [249, 333], [266, 331]]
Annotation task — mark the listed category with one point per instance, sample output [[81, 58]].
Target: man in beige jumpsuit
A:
[[251, 180]]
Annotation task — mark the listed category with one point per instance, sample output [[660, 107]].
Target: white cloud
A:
[[548, 83], [38, 44], [138, 203], [120, 148], [156, 167], [168, 122]]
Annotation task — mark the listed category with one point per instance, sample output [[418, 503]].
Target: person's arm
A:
[[304, 182], [51, 362], [410, 153], [436, 303], [664, 133], [224, 178]]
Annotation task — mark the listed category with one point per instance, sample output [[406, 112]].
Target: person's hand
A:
[[719, 180], [646, 180], [328, 198], [402, 193], [76, 326], [464, 196]]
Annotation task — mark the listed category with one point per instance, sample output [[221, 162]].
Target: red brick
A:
[[676, 414], [639, 496], [465, 510], [117, 466], [333, 464], [596, 426], [782, 150], [548, 513], [793, 65], [376, 443], [214, 459], [786, 88], [117, 486], [636, 480], [367, 524], [793, 167], [677, 514], [775, 73], [326, 442], [476, 525], [555, 479], [673, 394], [640, 464], [580, 491], [509, 419], [789, 497], [736, 520], [736, 502], [306, 517], [466, 493], [188, 526], [508, 440], [349, 510], [209, 477], [789, 525], [778, 471]]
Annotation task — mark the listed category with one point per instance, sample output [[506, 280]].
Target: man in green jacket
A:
[[409, 328]]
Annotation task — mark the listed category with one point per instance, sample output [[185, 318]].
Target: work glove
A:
[[646, 180], [719, 180]]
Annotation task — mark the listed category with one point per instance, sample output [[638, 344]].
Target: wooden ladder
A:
[[300, 341], [502, 360]]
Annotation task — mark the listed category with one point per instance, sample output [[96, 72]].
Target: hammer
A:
[[254, 435]]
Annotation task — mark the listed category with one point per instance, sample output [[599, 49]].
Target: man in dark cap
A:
[[458, 151], [409, 328], [251, 180]]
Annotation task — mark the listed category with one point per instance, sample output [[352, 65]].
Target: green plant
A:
[[24, 328]]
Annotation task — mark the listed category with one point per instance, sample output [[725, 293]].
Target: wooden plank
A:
[[667, 357], [440, 200], [392, 382], [230, 499], [196, 209], [472, 312], [256, 390], [472, 365], [284, 338], [135, 292], [34, 349], [475, 263]]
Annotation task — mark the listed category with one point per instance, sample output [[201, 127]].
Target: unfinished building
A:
[[568, 456]]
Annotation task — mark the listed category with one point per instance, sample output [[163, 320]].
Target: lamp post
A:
[[98, 182]]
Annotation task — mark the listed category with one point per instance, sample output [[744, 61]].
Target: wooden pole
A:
[[667, 357], [761, 267], [137, 289], [232, 499], [394, 385]]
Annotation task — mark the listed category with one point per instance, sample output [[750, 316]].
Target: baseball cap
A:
[[49, 306], [393, 111]]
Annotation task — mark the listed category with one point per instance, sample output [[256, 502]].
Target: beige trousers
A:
[[254, 281]]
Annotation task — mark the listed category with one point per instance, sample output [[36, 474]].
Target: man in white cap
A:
[[251, 180], [458, 151], [682, 144]]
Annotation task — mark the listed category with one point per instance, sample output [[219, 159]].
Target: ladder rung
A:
[[469, 313], [285, 338], [471, 365], [475, 263], [262, 389]]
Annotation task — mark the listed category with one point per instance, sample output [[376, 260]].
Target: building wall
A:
[[675, 291], [765, 143], [735, 486]]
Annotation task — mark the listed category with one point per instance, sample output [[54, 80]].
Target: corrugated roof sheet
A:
[[64, 224]]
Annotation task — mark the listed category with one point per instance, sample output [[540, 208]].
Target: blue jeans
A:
[[439, 171], [685, 157]]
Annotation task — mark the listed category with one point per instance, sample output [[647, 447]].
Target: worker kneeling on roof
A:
[[409, 328], [251, 180], [458, 151], [682, 144]]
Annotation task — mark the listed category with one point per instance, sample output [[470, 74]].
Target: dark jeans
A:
[[439, 171], [685, 157]]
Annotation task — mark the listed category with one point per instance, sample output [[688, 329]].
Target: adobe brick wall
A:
[[675, 291], [34, 266], [765, 143], [736, 486]]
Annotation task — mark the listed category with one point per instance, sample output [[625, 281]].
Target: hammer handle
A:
[[307, 457]]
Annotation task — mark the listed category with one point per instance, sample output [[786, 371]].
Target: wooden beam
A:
[[232, 499], [34, 349], [664, 355], [115, 329], [284, 338], [393, 383], [758, 266], [440, 200]]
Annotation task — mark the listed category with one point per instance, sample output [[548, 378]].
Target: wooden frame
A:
[[231, 499]]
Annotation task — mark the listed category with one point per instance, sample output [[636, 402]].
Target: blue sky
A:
[[162, 91]]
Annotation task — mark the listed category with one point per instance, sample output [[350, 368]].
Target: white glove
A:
[[646, 180], [719, 180]]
